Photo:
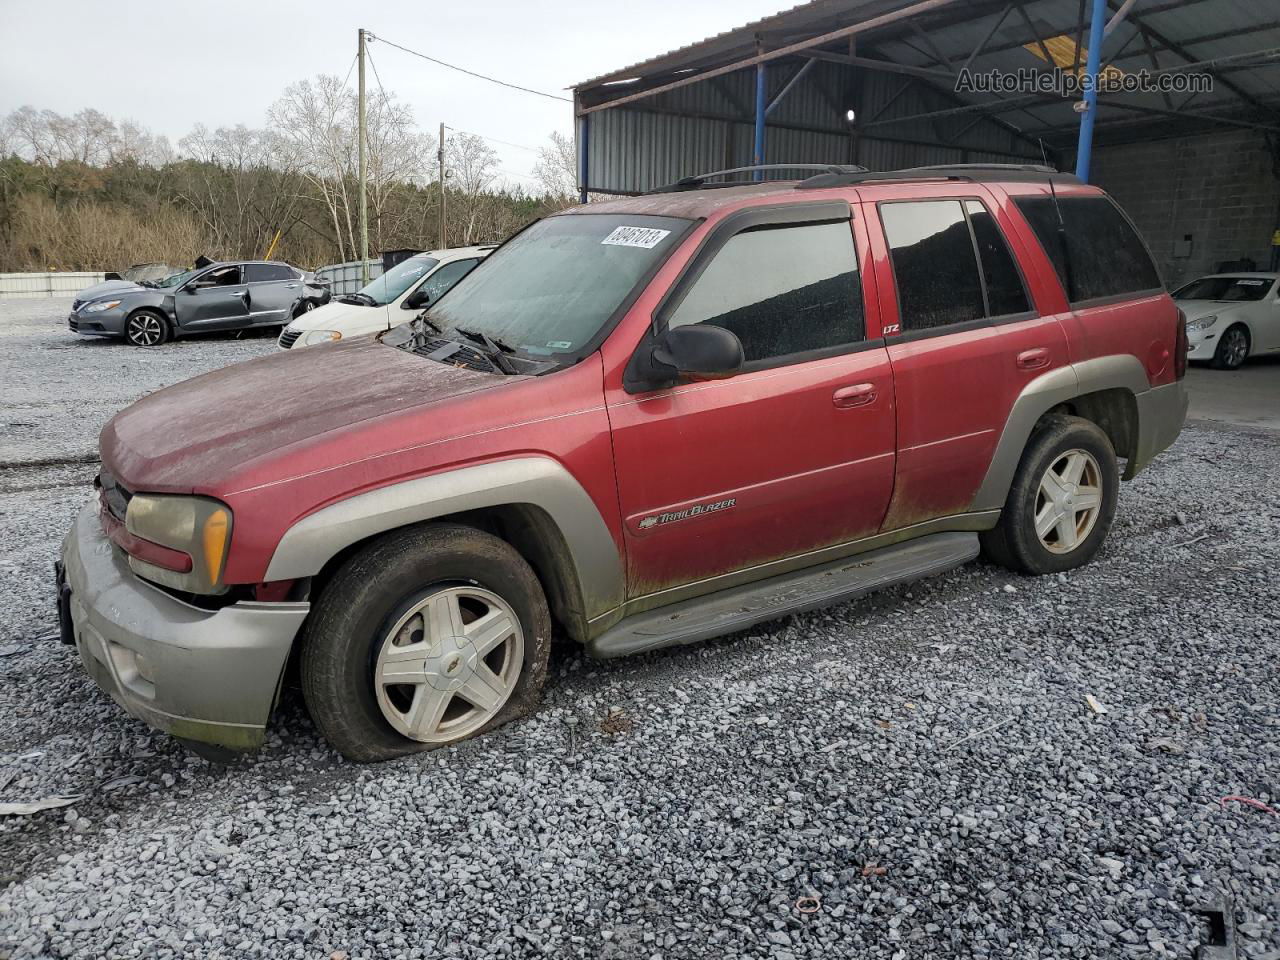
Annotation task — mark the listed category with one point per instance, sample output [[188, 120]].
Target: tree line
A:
[[88, 192]]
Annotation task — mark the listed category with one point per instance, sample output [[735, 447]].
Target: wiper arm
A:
[[495, 350]]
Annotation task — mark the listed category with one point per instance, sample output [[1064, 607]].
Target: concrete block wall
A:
[[1218, 187]]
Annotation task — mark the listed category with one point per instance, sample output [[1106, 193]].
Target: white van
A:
[[392, 299]]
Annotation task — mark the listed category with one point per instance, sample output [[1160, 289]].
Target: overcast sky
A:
[[170, 65]]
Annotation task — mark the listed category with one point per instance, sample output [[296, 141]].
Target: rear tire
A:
[[1233, 348], [147, 328], [1062, 500], [428, 636]]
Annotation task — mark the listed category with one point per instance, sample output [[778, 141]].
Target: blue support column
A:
[[761, 108], [584, 124], [1084, 147]]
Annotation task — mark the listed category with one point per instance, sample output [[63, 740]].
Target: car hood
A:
[[339, 316], [1194, 309], [109, 287], [200, 434]]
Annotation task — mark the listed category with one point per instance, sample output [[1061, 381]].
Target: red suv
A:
[[639, 423]]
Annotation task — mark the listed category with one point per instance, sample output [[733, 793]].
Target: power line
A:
[[349, 69], [505, 143], [472, 73]]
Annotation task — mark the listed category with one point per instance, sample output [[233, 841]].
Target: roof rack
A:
[[699, 182], [973, 172]]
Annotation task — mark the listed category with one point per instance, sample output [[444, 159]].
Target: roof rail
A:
[[699, 182], [973, 172]]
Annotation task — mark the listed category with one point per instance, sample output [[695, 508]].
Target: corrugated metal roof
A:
[[1158, 34]]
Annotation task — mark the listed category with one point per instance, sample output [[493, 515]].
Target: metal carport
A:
[[781, 89]]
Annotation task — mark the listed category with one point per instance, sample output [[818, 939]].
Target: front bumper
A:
[[213, 675], [1161, 413], [105, 323], [1202, 344]]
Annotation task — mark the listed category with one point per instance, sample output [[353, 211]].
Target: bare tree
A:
[[317, 122], [472, 167], [557, 169]]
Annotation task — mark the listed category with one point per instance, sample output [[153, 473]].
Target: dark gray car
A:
[[219, 296]]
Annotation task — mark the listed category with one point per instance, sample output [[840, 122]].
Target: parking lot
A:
[[913, 775]]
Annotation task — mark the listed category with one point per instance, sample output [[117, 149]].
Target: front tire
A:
[[1062, 500], [303, 307], [429, 636], [146, 328], [1232, 349]]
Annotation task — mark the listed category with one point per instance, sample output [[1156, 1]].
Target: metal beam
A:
[[924, 6], [795, 78], [881, 66], [987, 39], [1189, 57]]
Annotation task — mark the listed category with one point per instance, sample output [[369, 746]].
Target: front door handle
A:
[[858, 395], [1033, 359]]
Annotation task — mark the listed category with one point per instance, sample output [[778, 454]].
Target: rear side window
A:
[[438, 284], [933, 262], [259, 272], [1104, 255], [783, 291], [1006, 294]]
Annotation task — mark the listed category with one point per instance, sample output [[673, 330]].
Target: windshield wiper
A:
[[495, 349]]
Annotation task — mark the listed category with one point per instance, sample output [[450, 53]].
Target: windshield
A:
[[1230, 289], [398, 279], [175, 280], [551, 288]]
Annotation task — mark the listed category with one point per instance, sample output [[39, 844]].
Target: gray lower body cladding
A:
[[741, 607]]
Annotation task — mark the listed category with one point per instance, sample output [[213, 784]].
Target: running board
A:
[[741, 607]]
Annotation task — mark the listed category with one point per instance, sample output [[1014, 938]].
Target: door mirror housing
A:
[[417, 300], [698, 351]]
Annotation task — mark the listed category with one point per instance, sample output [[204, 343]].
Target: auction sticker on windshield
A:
[[644, 237]]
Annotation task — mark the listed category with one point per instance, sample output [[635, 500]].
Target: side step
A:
[[741, 607]]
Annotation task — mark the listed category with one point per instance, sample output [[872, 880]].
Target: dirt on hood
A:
[[194, 433]]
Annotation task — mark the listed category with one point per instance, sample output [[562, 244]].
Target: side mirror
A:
[[189, 288], [699, 351], [417, 300]]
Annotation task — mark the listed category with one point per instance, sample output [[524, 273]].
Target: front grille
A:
[[114, 496], [74, 324], [457, 355], [77, 304], [289, 338]]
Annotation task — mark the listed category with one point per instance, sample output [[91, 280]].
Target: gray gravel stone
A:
[[922, 762]]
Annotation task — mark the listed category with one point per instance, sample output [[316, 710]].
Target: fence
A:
[[345, 278], [29, 286]]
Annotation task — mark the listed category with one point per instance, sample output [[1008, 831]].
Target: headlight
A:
[[1202, 323], [196, 526], [101, 305], [312, 337]]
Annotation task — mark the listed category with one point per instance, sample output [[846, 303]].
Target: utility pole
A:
[[444, 239], [364, 200]]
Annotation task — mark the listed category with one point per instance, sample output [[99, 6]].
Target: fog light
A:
[[143, 666]]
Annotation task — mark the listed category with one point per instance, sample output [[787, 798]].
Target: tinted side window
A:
[[438, 284], [1107, 255], [782, 291], [258, 272], [1005, 293], [933, 262]]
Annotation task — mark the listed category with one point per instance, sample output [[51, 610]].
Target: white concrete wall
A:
[[29, 286]]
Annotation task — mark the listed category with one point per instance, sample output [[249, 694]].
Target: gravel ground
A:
[[922, 764]]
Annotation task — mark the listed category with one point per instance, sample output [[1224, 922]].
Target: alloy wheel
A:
[[1236, 347], [449, 664], [145, 330], [1068, 501]]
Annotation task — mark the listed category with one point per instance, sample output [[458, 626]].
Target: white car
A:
[[1231, 316], [392, 299]]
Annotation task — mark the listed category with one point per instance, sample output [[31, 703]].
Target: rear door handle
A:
[[1033, 359], [858, 395]]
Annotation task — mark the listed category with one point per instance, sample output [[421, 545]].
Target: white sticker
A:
[[559, 344], [1252, 283], [644, 237]]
